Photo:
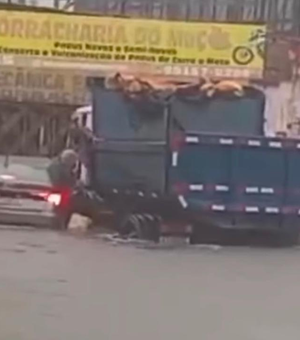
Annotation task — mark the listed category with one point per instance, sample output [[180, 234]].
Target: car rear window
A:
[[26, 169]]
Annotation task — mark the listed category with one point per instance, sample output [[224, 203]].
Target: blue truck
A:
[[177, 162]]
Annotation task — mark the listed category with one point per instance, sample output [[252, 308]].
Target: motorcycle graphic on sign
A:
[[245, 54]]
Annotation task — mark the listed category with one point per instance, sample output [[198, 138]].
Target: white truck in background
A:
[[84, 116]]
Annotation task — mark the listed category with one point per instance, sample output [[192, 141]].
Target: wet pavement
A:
[[56, 286]]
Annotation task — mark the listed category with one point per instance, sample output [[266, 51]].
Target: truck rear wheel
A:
[[141, 226]]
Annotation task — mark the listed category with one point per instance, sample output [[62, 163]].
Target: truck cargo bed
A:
[[204, 157]]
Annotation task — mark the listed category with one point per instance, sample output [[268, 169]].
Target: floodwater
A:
[[56, 286]]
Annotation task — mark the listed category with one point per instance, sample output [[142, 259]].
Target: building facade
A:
[[281, 15]]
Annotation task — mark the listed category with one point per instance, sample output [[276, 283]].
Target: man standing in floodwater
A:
[[62, 173]]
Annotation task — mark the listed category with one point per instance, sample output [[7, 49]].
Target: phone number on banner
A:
[[217, 72]]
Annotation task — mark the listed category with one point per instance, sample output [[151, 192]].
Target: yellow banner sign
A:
[[171, 48]]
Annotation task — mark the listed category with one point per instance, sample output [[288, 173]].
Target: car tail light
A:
[[54, 198], [58, 198]]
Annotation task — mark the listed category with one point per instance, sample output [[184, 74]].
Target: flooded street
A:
[[55, 286]]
